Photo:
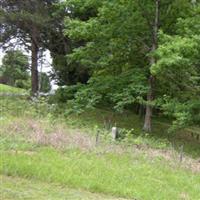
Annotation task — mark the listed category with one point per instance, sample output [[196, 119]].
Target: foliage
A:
[[115, 46], [15, 69], [45, 84], [33, 25], [178, 74], [112, 92], [65, 93], [126, 55], [114, 57]]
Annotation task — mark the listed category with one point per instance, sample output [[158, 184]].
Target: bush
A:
[[65, 93], [25, 84]]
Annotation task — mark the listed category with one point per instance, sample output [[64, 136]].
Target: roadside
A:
[[13, 188]]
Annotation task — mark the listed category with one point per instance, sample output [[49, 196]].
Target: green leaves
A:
[[116, 91], [176, 53], [79, 30], [14, 69], [177, 72]]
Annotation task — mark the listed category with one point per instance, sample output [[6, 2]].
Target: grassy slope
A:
[[159, 138], [126, 174], [12, 188], [6, 89]]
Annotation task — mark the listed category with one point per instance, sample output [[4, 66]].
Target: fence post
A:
[[97, 138], [181, 153]]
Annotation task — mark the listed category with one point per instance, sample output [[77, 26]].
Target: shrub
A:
[[65, 93]]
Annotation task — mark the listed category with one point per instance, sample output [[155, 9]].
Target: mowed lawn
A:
[[121, 175], [14, 188], [6, 89]]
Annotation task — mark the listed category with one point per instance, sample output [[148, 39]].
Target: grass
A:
[[112, 169], [50, 154], [6, 89], [15, 188], [123, 175], [159, 138]]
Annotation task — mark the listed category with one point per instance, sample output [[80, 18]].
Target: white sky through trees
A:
[[1, 56]]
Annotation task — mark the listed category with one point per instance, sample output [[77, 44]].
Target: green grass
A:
[[118, 169], [125, 175], [14, 188], [6, 89], [159, 138]]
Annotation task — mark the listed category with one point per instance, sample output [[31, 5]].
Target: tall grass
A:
[[36, 144], [125, 175]]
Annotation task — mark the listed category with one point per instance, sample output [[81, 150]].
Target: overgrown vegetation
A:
[[38, 143], [138, 55], [132, 67]]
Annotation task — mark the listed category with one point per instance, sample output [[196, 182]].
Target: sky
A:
[[1, 56]]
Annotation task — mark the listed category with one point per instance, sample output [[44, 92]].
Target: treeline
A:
[[15, 71], [141, 54]]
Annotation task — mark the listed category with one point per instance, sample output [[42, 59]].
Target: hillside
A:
[[58, 153], [6, 90], [124, 120]]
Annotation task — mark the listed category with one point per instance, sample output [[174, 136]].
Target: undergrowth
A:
[[38, 143]]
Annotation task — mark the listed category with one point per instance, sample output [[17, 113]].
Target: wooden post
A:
[[97, 138], [181, 154]]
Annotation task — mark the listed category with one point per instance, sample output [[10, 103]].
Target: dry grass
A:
[[58, 136], [173, 158], [170, 155], [61, 137]]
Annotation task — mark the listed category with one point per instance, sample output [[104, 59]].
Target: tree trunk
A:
[[34, 68], [148, 115]]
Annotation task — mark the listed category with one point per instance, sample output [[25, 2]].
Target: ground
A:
[[47, 156], [11, 90], [14, 188]]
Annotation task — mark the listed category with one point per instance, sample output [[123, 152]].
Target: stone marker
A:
[[114, 133]]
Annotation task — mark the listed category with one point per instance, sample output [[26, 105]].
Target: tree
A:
[[15, 68], [45, 84], [150, 96], [122, 38], [29, 22], [178, 73], [38, 24], [66, 71]]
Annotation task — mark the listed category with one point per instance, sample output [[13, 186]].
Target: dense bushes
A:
[[65, 93]]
